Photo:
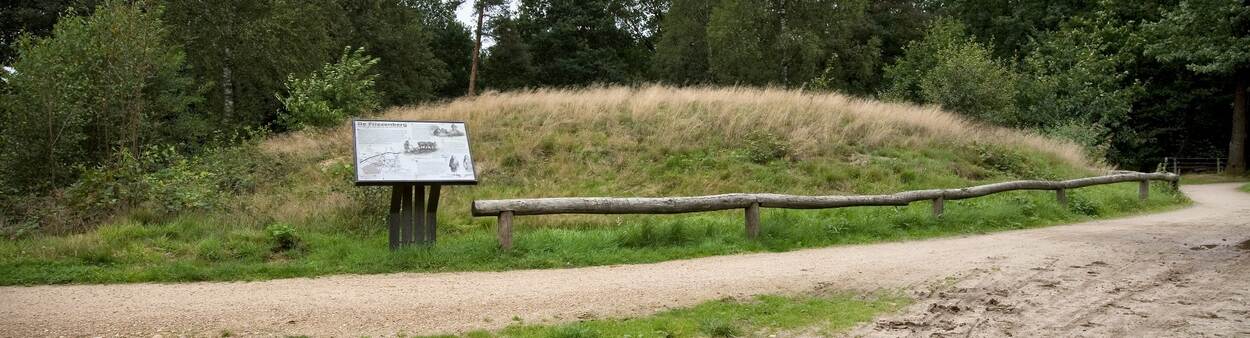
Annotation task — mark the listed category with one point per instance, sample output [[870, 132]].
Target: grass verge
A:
[[198, 247], [285, 206], [1211, 178], [822, 315]]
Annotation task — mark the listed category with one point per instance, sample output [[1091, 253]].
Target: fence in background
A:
[[1201, 165], [751, 203]]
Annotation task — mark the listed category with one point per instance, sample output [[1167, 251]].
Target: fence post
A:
[[1061, 195], [505, 230], [1143, 189], [939, 205], [753, 221]]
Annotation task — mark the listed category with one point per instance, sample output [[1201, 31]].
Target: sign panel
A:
[[412, 152]]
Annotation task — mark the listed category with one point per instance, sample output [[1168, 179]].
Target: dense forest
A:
[[90, 83]]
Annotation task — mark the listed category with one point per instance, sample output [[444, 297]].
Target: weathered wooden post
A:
[[1061, 196], [431, 214], [1143, 189], [939, 206], [753, 221], [505, 230], [409, 156]]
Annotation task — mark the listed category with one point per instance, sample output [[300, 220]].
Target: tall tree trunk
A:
[[1237, 146], [227, 87], [477, 50]]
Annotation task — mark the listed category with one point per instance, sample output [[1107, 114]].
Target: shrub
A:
[[719, 328], [947, 67], [329, 95], [96, 84], [282, 237]]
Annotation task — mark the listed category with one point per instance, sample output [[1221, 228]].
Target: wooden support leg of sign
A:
[[1062, 197], [405, 215], [413, 218], [394, 218], [1143, 190], [417, 230], [431, 214]]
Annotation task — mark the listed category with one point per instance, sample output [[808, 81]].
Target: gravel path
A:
[[1174, 273]]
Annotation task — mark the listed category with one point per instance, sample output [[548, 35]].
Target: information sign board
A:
[[400, 152]]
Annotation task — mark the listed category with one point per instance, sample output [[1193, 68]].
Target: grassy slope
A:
[[653, 141]]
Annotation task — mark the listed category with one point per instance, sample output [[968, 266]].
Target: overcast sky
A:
[[465, 14]]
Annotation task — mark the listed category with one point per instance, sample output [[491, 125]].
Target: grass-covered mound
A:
[[286, 206]]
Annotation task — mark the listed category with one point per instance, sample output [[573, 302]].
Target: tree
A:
[[450, 41], [919, 57], [481, 7], [948, 68], [1211, 37], [967, 80], [579, 42], [245, 49], [1009, 26], [336, 91], [681, 55], [509, 64], [34, 17], [97, 85], [402, 37], [1074, 89]]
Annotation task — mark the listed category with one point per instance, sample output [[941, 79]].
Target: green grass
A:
[[1246, 187], [1211, 178], [821, 315], [286, 206], [196, 248]]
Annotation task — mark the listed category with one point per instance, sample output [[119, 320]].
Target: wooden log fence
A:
[[751, 203]]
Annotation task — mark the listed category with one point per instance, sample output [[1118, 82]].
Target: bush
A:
[[947, 67], [282, 237], [335, 92], [968, 81], [97, 84]]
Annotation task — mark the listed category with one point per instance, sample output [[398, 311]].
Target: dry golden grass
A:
[[811, 122], [666, 141]]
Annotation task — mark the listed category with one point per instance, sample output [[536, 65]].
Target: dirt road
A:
[[1185, 272]]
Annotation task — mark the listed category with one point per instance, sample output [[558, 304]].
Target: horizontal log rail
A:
[[506, 209]]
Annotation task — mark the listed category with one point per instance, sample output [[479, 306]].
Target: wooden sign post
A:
[[410, 156]]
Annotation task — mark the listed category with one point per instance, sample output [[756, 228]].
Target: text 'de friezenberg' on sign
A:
[[390, 152]]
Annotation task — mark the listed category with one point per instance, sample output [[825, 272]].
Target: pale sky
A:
[[465, 14]]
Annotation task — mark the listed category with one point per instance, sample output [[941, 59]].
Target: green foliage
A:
[[949, 69], [761, 42], [579, 42], [1208, 36], [919, 57], [282, 237], [681, 55], [508, 64], [763, 147], [97, 84], [337, 91], [234, 248], [966, 80], [717, 327]]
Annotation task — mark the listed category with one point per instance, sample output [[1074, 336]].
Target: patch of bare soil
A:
[[1185, 272], [1147, 288]]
